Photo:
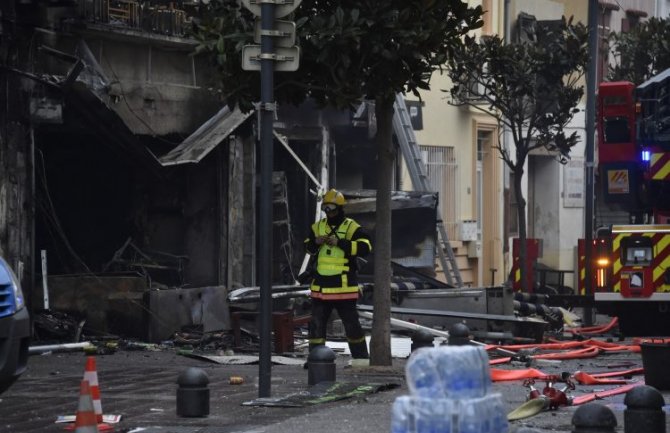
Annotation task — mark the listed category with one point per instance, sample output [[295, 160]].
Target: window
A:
[[616, 130], [632, 19], [441, 169], [636, 251]]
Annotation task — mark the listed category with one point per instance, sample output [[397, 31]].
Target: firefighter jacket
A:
[[335, 276]]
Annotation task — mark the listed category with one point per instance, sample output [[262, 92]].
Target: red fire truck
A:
[[631, 249]]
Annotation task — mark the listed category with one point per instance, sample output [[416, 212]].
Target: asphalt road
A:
[[141, 387]]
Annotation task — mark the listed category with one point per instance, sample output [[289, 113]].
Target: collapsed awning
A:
[[197, 145]]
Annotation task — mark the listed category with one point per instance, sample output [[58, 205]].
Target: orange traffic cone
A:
[[91, 376], [85, 421]]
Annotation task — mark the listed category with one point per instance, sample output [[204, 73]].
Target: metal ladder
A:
[[402, 127]]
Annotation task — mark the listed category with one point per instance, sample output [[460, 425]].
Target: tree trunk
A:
[[521, 213], [380, 343]]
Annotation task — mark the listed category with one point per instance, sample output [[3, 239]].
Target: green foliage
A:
[[350, 49], [640, 53], [225, 28], [533, 88]]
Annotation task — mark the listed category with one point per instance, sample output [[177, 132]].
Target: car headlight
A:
[[9, 281]]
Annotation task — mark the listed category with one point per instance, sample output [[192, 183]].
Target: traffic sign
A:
[[282, 7], [287, 59], [283, 35]]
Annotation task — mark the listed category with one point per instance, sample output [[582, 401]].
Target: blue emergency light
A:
[[646, 155]]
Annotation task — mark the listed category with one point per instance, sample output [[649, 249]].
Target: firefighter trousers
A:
[[346, 309]]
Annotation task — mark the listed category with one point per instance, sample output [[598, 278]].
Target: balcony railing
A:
[[149, 16]]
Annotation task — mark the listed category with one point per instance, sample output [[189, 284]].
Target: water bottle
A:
[[482, 415], [499, 415], [402, 415], [422, 375], [443, 414], [434, 415], [422, 415], [469, 416], [464, 371]]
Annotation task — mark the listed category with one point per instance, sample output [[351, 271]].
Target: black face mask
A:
[[335, 218]]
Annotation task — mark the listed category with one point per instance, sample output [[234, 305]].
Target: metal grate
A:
[[442, 173]]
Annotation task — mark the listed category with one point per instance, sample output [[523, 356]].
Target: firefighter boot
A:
[[358, 348]]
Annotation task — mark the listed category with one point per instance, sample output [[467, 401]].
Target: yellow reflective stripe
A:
[[351, 228], [616, 267], [366, 242], [335, 297], [659, 248], [322, 269], [336, 290], [354, 248], [334, 260], [317, 341], [356, 340], [662, 172], [331, 266]]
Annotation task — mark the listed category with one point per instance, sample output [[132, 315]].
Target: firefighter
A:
[[335, 242]]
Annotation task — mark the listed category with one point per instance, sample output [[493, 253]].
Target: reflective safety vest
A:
[[332, 260]]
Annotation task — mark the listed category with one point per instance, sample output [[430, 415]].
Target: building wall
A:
[[662, 8], [553, 216], [559, 226], [445, 125], [102, 195], [155, 83]]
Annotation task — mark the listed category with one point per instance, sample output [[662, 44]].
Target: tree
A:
[[351, 50], [532, 88], [640, 53]]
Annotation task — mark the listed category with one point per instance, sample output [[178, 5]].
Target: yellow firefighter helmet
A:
[[334, 196]]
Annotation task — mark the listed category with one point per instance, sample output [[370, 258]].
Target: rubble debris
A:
[[32, 350], [236, 380], [241, 359], [57, 326], [324, 392]]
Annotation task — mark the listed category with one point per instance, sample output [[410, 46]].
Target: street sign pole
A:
[[263, 59], [590, 150], [267, 109]]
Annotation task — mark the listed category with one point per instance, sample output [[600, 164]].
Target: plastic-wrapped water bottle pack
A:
[[450, 393]]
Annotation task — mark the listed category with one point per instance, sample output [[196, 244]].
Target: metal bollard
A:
[[459, 335], [320, 365], [593, 418], [644, 410], [421, 338], [193, 393]]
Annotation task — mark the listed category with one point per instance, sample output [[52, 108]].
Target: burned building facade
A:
[[128, 189]]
